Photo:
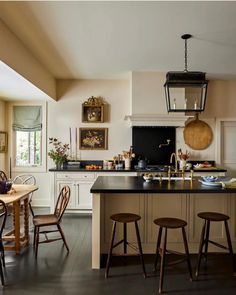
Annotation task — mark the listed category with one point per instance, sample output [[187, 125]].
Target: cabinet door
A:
[[71, 184], [83, 197], [203, 203]]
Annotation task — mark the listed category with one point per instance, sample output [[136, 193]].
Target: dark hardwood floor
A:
[[56, 273]]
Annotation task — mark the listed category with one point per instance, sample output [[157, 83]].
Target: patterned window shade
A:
[[27, 118]]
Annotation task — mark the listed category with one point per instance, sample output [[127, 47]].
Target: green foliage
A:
[[59, 152]]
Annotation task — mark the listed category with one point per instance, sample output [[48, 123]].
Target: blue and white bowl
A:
[[210, 178]]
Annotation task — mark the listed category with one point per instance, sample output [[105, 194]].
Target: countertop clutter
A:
[[97, 165]]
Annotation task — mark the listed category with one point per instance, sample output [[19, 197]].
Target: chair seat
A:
[[213, 216], [169, 222], [125, 217], [47, 219]]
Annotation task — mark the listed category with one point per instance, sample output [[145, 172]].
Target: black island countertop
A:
[[136, 184], [153, 170]]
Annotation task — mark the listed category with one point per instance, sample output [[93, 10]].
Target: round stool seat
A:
[[213, 216], [125, 217], [169, 222]]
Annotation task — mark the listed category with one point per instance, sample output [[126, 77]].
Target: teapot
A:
[[142, 164]]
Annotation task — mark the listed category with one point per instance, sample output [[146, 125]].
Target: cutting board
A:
[[198, 134]]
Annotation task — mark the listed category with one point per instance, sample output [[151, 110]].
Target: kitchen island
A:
[[180, 199]]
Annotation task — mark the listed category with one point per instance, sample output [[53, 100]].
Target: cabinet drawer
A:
[[76, 176]]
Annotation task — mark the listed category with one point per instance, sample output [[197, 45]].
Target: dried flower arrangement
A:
[[128, 154], [183, 156]]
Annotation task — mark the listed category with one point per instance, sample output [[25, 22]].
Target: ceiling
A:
[[97, 40]]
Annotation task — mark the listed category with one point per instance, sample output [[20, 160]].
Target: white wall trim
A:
[[218, 147], [157, 120]]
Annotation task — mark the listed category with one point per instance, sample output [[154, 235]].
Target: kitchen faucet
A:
[[176, 162]]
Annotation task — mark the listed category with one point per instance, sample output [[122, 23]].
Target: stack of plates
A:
[[213, 180]]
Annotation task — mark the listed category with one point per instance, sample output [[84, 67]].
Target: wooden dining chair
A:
[[48, 220], [3, 217], [3, 176], [26, 179]]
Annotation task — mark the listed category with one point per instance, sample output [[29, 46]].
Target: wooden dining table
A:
[[17, 197]]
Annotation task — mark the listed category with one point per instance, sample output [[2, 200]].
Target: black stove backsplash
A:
[[150, 144]]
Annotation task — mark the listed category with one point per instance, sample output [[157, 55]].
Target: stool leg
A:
[[140, 248], [110, 250], [230, 245], [187, 253], [163, 256], [200, 248], [207, 240], [157, 249], [125, 237]]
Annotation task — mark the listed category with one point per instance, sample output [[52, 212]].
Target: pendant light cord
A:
[[185, 56]]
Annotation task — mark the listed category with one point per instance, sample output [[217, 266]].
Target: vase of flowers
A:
[[183, 157], [59, 152], [127, 156]]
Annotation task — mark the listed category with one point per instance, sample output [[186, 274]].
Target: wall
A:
[[148, 96], [67, 113], [2, 128]]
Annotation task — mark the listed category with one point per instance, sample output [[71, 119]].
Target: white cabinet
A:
[[80, 184]]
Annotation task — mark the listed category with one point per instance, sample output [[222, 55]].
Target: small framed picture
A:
[[93, 138], [92, 110], [3, 142]]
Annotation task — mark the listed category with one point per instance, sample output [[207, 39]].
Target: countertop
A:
[[136, 184], [153, 170]]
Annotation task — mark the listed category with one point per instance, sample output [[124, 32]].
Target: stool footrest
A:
[[173, 252], [218, 245], [125, 254]]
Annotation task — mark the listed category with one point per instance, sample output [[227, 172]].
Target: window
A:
[[28, 137], [28, 148]]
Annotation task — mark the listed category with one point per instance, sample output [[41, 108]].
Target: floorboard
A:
[[56, 272]]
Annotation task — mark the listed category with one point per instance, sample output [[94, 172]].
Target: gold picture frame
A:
[[93, 110], [93, 138], [3, 142]]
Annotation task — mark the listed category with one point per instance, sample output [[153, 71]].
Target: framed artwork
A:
[[92, 110], [3, 142], [93, 138]]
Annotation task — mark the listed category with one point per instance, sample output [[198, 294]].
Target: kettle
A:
[[142, 164]]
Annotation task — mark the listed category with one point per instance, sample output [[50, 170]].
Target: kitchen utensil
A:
[[198, 134]]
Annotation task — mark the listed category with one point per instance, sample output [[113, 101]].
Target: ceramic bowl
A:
[[147, 178]]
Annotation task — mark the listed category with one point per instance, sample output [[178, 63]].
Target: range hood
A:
[[148, 103]]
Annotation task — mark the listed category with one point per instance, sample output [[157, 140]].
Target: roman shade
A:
[[27, 118]]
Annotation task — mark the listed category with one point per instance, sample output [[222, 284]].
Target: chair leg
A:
[[2, 253], [110, 249], [125, 237], [200, 248], [207, 240], [36, 241], [63, 237], [140, 249], [1, 274], [187, 253], [163, 256], [157, 248], [31, 209], [230, 245]]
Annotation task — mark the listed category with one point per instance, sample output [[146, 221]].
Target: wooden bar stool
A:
[[208, 217], [170, 223], [125, 218]]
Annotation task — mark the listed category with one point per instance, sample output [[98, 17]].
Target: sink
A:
[[173, 178]]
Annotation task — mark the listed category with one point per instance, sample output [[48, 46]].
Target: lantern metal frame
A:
[[188, 81]]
